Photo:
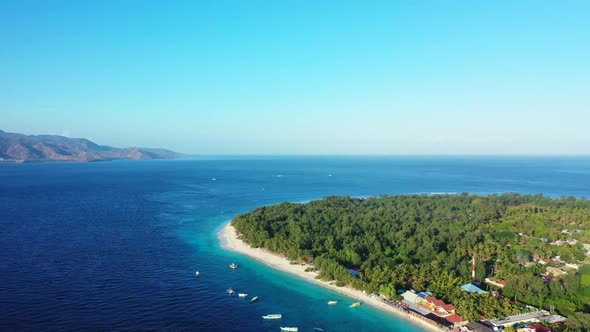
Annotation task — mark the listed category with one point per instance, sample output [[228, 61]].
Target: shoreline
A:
[[229, 240]]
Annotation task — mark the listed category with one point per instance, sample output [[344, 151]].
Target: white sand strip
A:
[[229, 240]]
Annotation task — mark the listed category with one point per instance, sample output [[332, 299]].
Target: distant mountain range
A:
[[34, 148]]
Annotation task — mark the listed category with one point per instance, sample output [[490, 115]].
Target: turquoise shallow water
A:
[[114, 245]]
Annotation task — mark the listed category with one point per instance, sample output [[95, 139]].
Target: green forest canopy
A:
[[426, 242]]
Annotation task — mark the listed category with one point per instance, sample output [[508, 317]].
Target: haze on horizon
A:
[[301, 77]]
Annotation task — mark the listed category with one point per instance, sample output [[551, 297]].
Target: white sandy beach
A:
[[229, 240]]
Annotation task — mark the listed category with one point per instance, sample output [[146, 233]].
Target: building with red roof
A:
[[439, 307], [537, 328], [455, 319]]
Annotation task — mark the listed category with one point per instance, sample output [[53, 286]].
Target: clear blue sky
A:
[[301, 77]]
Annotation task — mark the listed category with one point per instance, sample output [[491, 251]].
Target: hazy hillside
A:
[[30, 148]]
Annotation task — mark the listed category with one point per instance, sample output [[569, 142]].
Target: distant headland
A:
[[43, 148]]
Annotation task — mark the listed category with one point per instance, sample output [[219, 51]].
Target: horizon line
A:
[[376, 155]]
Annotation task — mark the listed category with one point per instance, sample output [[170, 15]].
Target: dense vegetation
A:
[[426, 242]]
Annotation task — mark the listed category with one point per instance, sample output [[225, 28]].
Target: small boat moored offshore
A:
[[332, 302], [242, 294], [197, 274], [254, 299], [291, 329], [233, 266], [272, 316], [356, 304], [230, 291]]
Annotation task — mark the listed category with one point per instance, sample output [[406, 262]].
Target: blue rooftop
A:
[[472, 288], [424, 295]]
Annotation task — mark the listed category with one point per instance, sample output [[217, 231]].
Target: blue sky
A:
[[301, 77]]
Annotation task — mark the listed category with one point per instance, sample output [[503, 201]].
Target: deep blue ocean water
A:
[[114, 245]]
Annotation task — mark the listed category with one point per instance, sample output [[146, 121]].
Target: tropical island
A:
[[18, 148], [476, 263]]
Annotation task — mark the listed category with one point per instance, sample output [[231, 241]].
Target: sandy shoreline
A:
[[228, 238]]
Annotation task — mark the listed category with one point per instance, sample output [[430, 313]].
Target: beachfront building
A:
[[432, 308], [445, 311], [455, 320], [476, 327], [413, 301], [537, 328], [439, 307], [424, 295], [412, 298]]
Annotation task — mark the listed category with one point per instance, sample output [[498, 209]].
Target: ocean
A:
[[115, 245]]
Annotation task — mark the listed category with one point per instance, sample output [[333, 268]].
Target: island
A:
[[450, 262], [19, 148]]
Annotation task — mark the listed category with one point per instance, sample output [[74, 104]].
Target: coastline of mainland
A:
[[230, 241]]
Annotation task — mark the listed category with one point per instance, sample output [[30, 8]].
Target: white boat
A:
[[242, 294], [332, 302], [291, 329], [272, 316], [254, 299], [197, 274], [230, 291], [233, 266]]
